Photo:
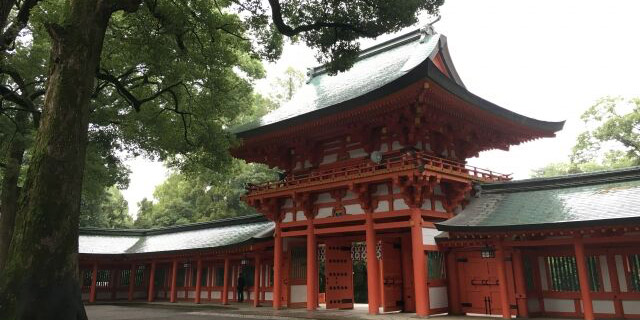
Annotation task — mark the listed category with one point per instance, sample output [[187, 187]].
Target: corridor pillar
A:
[[419, 264], [502, 281], [174, 275], [256, 282], [521, 289], [152, 280], [311, 266], [94, 280], [198, 280], [583, 278], [453, 287], [277, 267], [225, 282], [373, 268]]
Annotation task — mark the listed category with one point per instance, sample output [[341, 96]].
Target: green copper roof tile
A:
[[611, 197]]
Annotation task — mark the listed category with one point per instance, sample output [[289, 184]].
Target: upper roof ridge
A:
[[564, 181]]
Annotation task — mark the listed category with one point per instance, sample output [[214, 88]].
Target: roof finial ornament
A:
[[310, 74], [428, 30]]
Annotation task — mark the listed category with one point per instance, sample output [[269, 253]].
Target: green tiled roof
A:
[[380, 70], [220, 233], [601, 198]]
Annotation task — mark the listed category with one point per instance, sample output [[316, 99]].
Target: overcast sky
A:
[[548, 60]]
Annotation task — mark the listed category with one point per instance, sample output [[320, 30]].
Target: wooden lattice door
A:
[[392, 277], [339, 274]]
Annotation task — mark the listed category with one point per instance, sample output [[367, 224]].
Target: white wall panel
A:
[[606, 279], [353, 209], [631, 306], [428, 236], [621, 274], [559, 305], [383, 206], [533, 304], [298, 293], [399, 204], [438, 297]]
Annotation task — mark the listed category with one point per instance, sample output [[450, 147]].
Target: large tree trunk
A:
[[40, 280], [10, 190]]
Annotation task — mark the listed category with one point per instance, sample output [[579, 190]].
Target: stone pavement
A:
[[164, 310]]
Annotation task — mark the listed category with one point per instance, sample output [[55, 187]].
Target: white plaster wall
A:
[[288, 203], [350, 195], [559, 305], [330, 158], [606, 280], [299, 293], [399, 204], [324, 197], [396, 190], [427, 147], [249, 296], [180, 294], [106, 295], [215, 295], [533, 304], [621, 277], [357, 153], [268, 296], [324, 212], [543, 274], [601, 306], [381, 189], [382, 206], [438, 297], [384, 147], [307, 164], [300, 216], [229, 295], [437, 190], [428, 236], [192, 294], [631, 306], [204, 294], [353, 209], [288, 217], [438, 206], [396, 146], [426, 204]]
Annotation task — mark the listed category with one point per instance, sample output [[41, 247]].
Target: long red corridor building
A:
[[377, 205]]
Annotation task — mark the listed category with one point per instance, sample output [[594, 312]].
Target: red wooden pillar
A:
[[256, 282], [152, 279], [132, 281], [198, 280], [277, 267], [174, 275], [520, 284], [502, 281], [373, 268], [311, 266], [453, 285], [615, 284], [583, 278], [225, 282], [94, 280], [419, 265], [407, 275]]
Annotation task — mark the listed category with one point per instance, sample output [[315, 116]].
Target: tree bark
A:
[[41, 278], [10, 190]]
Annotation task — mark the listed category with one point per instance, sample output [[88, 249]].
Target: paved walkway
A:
[[190, 311]]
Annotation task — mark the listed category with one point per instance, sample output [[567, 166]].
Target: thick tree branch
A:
[[19, 22], [278, 21]]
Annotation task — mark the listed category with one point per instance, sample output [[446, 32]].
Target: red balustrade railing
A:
[[367, 168]]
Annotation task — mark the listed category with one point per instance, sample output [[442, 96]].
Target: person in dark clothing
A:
[[240, 287]]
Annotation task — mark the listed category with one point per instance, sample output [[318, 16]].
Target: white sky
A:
[[548, 60]]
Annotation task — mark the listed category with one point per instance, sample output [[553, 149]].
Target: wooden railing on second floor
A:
[[366, 168]]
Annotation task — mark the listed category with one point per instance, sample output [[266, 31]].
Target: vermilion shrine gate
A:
[[374, 171]]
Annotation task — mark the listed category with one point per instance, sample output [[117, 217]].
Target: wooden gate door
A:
[[392, 277], [339, 274], [479, 286]]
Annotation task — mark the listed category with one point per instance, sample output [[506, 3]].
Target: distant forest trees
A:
[[611, 139]]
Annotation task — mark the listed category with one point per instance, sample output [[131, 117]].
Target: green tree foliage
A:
[[173, 60], [108, 209], [205, 196], [611, 141]]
